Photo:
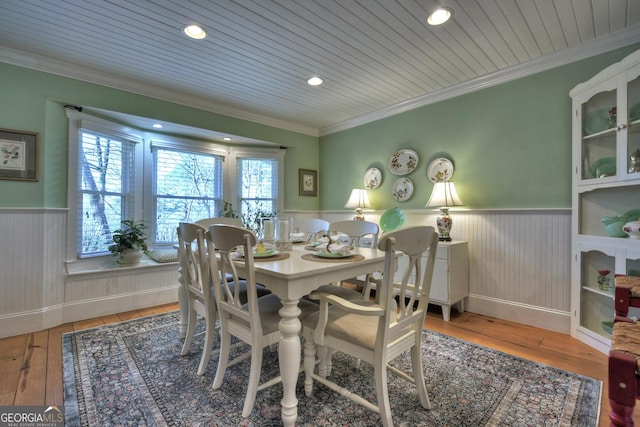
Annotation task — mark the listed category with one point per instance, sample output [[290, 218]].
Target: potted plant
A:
[[129, 242]]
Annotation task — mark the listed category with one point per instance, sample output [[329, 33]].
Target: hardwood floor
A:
[[31, 364]]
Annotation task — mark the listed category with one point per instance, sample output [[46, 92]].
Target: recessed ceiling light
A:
[[440, 16], [194, 31], [314, 81], [157, 125]]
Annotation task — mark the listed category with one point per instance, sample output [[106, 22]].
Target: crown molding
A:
[[99, 77], [585, 50]]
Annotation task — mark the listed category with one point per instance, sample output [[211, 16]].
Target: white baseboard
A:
[[538, 317], [37, 320]]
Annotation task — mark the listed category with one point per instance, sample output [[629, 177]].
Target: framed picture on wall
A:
[[18, 155], [308, 182]]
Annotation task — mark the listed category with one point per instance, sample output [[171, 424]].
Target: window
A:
[[187, 187], [105, 196], [116, 174], [258, 185]]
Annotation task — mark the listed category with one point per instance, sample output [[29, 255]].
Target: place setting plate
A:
[[266, 254], [325, 254]]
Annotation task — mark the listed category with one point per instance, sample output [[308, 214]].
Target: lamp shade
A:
[[443, 195], [359, 199]]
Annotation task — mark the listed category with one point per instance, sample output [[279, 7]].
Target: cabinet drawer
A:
[[442, 252]]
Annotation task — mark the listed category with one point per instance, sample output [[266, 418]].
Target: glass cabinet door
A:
[[632, 167], [599, 136]]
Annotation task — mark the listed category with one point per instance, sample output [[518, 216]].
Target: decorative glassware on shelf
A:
[[603, 280], [632, 228], [634, 162], [613, 121], [613, 225]]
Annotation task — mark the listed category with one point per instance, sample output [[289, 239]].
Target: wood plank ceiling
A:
[[376, 56]]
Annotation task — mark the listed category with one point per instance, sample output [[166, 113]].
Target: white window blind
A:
[[257, 189], [105, 196], [187, 186]]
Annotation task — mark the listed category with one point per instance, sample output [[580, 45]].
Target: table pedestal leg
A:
[[183, 304], [289, 359]]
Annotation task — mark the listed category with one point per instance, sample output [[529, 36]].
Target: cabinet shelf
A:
[[597, 291], [607, 132]]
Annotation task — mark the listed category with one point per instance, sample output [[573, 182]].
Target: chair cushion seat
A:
[[358, 329], [260, 290], [626, 338]]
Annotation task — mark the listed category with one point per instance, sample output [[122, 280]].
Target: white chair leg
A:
[[254, 380], [418, 375], [309, 362], [380, 375], [209, 336], [223, 361], [323, 355], [192, 319]]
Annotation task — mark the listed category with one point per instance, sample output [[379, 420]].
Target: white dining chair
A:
[[310, 227], [254, 322], [354, 231], [196, 276], [385, 329]]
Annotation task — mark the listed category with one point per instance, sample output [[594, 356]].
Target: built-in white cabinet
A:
[[605, 185]]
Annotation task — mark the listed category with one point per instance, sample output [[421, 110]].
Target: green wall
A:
[[34, 101], [510, 144]]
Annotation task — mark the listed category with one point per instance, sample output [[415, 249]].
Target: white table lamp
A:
[[358, 200], [443, 196]]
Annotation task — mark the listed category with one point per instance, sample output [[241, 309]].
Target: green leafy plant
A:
[[254, 215], [228, 211], [130, 236]]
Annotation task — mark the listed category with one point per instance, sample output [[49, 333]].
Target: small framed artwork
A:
[[308, 182], [18, 155]]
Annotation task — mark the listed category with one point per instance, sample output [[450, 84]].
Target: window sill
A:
[[103, 266]]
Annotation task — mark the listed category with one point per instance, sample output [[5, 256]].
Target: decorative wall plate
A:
[[402, 189], [403, 162], [372, 178], [440, 170]]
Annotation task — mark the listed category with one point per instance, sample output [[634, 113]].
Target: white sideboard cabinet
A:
[[450, 282]]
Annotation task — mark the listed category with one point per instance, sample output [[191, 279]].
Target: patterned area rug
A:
[[131, 373]]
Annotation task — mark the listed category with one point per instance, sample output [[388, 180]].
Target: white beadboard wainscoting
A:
[[519, 269], [37, 293]]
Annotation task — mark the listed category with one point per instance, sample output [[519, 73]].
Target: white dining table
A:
[[291, 279]]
